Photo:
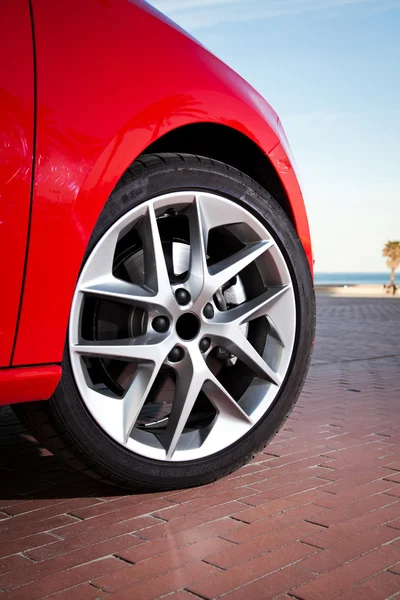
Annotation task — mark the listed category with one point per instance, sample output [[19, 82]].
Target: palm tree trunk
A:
[[392, 285]]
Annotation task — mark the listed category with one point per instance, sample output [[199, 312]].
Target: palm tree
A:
[[391, 251]]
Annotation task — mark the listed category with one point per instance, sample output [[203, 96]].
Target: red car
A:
[[157, 298]]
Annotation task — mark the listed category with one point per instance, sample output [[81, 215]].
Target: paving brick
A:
[[288, 490], [379, 587], [98, 535], [28, 506], [89, 525], [199, 549], [35, 571], [64, 580], [393, 465], [295, 457], [190, 521], [273, 523], [395, 523], [270, 586], [342, 531], [139, 505], [181, 595], [201, 532], [293, 467], [239, 575], [13, 563], [395, 477], [193, 506], [356, 493], [54, 502], [47, 512], [277, 506], [166, 583], [348, 575], [353, 481], [53, 524], [354, 509], [242, 478], [395, 568], [161, 563], [354, 546], [273, 481], [25, 544], [260, 545], [79, 592]]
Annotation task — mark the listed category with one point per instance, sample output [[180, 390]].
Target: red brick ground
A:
[[316, 516]]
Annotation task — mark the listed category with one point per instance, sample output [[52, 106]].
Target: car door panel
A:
[[16, 159]]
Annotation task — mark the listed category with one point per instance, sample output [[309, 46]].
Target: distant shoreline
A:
[[352, 278], [355, 290]]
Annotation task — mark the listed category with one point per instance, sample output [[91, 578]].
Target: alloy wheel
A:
[[182, 326]]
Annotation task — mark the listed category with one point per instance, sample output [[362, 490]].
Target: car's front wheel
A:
[[190, 331]]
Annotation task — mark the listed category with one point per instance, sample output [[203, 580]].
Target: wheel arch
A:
[[227, 145], [271, 168]]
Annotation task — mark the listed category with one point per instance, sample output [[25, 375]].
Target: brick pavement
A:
[[316, 516]]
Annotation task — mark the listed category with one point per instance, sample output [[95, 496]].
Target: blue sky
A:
[[331, 69]]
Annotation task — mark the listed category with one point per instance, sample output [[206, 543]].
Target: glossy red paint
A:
[[284, 167], [16, 147], [113, 77], [28, 383]]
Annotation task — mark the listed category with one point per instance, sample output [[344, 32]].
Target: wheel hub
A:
[[188, 326]]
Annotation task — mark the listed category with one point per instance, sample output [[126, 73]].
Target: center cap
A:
[[187, 326]]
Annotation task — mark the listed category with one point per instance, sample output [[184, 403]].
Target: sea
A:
[[352, 278]]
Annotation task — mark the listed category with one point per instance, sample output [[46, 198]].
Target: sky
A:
[[331, 70]]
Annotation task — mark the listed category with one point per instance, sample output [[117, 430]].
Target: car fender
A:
[[107, 87]]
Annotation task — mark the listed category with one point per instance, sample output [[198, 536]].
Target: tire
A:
[[65, 424]]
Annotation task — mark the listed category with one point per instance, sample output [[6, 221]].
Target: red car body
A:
[[89, 87]]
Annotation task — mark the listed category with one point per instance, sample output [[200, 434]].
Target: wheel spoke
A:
[[223, 271], [103, 284], [123, 350], [136, 395], [188, 386], [258, 307], [155, 267], [235, 342], [198, 247], [227, 407], [112, 288], [100, 263], [249, 355], [282, 318]]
